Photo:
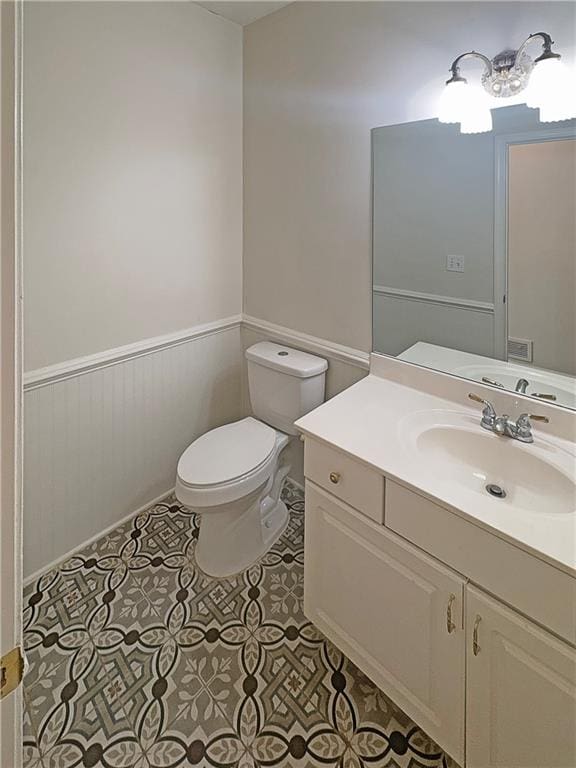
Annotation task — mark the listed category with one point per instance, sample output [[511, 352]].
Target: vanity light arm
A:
[[455, 66], [547, 44]]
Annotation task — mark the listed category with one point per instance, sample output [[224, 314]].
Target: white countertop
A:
[[367, 421]]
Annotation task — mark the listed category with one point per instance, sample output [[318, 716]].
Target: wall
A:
[[133, 256], [133, 161], [542, 251], [317, 78]]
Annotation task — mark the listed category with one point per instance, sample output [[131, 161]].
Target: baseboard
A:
[[326, 348], [56, 563], [296, 483]]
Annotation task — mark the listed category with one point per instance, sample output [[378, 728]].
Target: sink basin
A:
[[537, 478]]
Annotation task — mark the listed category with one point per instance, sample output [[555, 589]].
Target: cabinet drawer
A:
[[534, 587], [354, 483]]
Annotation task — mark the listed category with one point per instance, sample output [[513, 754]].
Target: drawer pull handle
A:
[[335, 477], [450, 626], [475, 643]]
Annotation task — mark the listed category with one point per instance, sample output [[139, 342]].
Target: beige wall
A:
[[542, 251], [317, 78], [133, 173]]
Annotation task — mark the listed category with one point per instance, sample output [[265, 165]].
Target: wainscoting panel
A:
[[402, 318], [102, 443]]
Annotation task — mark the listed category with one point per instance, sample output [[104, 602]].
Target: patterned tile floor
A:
[[138, 660]]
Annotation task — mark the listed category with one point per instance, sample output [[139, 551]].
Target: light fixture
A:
[[546, 80]]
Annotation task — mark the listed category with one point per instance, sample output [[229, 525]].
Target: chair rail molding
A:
[[331, 349], [59, 371], [486, 307], [51, 374]]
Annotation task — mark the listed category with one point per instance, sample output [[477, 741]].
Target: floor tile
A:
[[140, 660]]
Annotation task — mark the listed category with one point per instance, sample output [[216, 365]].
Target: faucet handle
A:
[[544, 396], [525, 418], [488, 413], [524, 426], [494, 383]]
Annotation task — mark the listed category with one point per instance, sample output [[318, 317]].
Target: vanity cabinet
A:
[[396, 613], [521, 690], [492, 687]]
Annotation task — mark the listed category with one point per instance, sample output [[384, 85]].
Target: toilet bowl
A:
[[232, 476]]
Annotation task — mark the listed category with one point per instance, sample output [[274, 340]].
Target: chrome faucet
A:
[[521, 386], [504, 426]]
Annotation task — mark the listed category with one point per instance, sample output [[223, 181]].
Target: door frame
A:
[[502, 144], [11, 393]]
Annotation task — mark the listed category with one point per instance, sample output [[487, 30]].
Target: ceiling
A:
[[241, 12]]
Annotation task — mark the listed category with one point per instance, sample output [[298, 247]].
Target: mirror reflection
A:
[[474, 251]]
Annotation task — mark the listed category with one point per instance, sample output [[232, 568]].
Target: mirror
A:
[[474, 251]]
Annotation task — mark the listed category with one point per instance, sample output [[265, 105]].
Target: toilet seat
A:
[[227, 463]]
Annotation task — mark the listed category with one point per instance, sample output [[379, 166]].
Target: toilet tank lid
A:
[[286, 359]]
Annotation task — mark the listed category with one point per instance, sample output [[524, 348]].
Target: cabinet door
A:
[[521, 691], [386, 605]]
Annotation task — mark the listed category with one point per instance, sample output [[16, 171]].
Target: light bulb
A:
[[453, 101], [552, 90]]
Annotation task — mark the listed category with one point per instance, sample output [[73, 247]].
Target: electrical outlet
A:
[[455, 263]]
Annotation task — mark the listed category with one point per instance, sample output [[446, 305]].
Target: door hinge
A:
[[11, 671]]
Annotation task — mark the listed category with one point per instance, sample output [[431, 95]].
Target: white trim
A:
[[296, 483], [432, 298], [60, 371], [53, 373], [330, 349], [55, 563]]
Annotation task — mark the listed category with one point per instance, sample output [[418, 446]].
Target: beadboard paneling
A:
[[99, 445]]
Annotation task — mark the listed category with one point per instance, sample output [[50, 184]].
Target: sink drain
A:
[[496, 491]]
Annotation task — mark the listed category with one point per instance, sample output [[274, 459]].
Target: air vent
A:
[[520, 349]]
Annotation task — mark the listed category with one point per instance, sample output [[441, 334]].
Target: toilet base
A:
[[231, 541], [274, 524]]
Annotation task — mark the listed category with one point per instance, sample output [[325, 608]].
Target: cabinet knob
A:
[[335, 477], [450, 626], [475, 643]]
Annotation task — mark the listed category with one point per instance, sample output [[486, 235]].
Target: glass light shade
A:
[[452, 105], [477, 117], [478, 121], [552, 90]]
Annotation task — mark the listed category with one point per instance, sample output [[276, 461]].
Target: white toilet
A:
[[233, 475]]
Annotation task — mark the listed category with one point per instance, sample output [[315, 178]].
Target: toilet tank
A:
[[284, 383]]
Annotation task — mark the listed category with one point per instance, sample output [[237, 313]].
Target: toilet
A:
[[233, 475]]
